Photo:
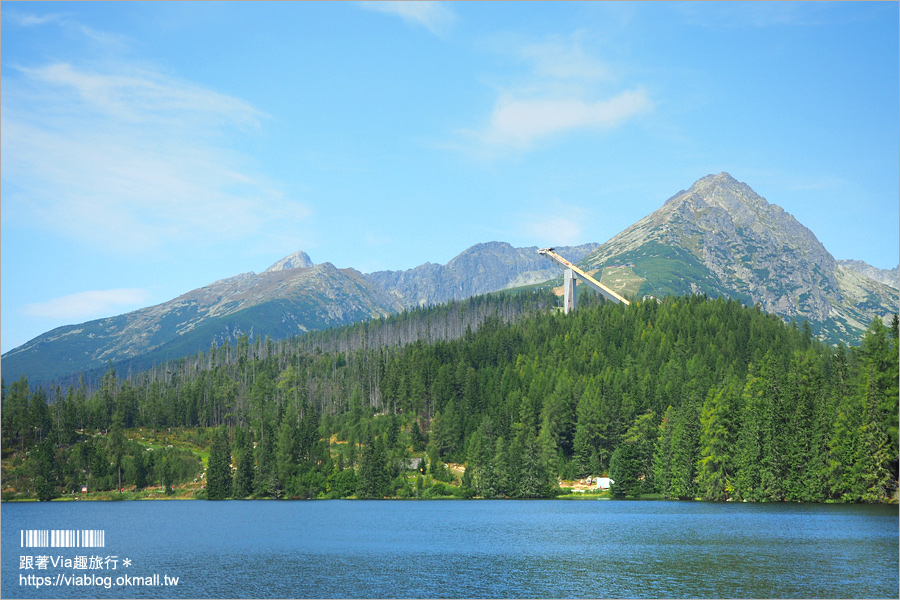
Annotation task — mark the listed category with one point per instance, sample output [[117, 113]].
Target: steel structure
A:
[[571, 275]]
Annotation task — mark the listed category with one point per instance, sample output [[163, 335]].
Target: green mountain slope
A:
[[684, 398], [718, 238], [278, 302]]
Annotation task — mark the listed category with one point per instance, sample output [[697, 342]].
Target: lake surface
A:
[[467, 549]]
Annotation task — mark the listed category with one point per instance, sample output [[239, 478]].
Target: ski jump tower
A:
[[570, 275]]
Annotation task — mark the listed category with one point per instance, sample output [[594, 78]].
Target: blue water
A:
[[483, 549]]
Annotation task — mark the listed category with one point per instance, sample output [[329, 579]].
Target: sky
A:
[[148, 149]]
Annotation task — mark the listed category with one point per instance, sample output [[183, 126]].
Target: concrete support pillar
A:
[[568, 291]]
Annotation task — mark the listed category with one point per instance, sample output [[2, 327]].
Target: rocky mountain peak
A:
[[722, 180], [297, 260], [719, 204], [740, 240], [722, 192]]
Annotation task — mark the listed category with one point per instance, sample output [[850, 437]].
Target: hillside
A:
[[481, 269], [718, 237], [291, 297], [721, 238], [684, 398], [889, 277], [279, 302]]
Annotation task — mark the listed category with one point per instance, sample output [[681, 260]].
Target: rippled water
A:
[[439, 549]]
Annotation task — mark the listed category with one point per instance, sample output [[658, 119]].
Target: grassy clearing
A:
[[622, 280]]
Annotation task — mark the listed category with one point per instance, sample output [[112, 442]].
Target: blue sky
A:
[[151, 148]]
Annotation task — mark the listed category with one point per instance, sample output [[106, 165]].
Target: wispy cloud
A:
[[434, 16], [146, 96], [129, 159], [82, 305], [565, 89], [562, 59], [562, 225], [67, 24], [31, 20], [521, 122]]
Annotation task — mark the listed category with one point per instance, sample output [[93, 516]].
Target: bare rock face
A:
[[297, 260], [481, 269], [757, 248], [730, 241], [890, 277]]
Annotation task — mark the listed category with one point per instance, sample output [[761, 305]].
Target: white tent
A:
[[603, 483]]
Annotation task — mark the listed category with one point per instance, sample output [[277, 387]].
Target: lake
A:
[[440, 549]]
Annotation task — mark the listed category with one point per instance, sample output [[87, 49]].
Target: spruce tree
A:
[[372, 477], [45, 479], [243, 476], [218, 475], [662, 457], [685, 450], [117, 446], [140, 470], [714, 469]]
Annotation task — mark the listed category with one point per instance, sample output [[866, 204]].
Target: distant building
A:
[[84, 489], [603, 483]]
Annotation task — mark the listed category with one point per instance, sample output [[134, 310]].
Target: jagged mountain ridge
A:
[[481, 269], [280, 301], [721, 238], [889, 277], [292, 296]]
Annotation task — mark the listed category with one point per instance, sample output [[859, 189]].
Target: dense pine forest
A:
[[498, 396]]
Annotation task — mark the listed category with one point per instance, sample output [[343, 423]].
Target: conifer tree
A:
[[117, 445], [264, 480], [714, 469], [631, 465], [372, 477], [243, 476], [140, 470], [662, 457], [685, 450], [286, 450], [809, 424], [45, 465], [218, 474]]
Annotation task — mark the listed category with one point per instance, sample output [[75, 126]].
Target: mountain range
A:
[[718, 237]]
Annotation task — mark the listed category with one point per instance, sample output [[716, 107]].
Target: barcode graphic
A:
[[63, 538]]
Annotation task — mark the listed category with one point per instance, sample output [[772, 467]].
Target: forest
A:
[[499, 396]]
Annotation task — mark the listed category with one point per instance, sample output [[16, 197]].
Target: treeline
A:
[[431, 324], [684, 398]]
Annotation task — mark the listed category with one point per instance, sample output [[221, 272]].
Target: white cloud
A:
[[520, 122], [66, 24], [141, 95], [132, 160], [556, 230], [565, 89], [564, 60], [374, 240], [563, 225], [32, 20], [434, 16], [84, 305]]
